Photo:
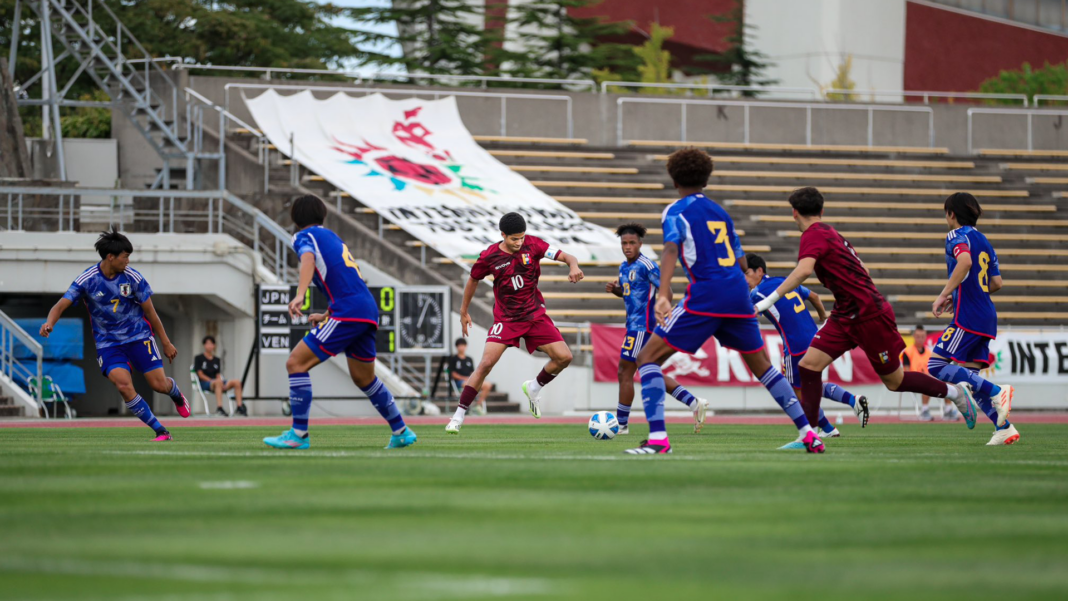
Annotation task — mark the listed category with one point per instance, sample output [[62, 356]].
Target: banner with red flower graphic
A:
[[415, 163]]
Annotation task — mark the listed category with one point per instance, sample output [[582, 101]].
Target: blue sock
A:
[[622, 414], [382, 399], [955, 374], [300, 400], [139, 407], [825, 424], [839, 394], [784, 395], [684, 395], [653, 393], [175, 394], [987, 407]]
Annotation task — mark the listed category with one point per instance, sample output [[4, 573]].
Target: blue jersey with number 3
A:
[[789, 315], [973, 310], [709, 250], [114, 305], [337, 275]]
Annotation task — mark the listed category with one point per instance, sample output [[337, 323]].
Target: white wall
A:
[[808, 39]]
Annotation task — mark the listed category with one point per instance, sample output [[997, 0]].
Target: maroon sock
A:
[[467, 396], [811, 394], [914, 381], [545, 377]]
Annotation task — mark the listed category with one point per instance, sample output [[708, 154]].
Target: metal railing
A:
[[483, 80], [1056, 97], [812, 93], [151, 211], [195, 107], [10, 366], [502, 96], [926, 95], [1029, 113], [747, 105]]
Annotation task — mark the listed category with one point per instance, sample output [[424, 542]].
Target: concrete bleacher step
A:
[[718, 159], [8, 408], [842, 148]]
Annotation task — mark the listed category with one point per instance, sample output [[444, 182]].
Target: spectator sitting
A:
[[460, 369], [209, 370]]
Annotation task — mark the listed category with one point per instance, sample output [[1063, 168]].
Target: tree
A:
[[443, 37], [1050, 79], [740, 65], [557, 45], [842, 81], [656, 62]]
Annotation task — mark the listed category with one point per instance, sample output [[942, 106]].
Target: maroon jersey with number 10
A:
[[841, 271], [515, 279]]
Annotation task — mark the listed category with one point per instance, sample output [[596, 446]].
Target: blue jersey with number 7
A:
[[337, 275], [708, 250]]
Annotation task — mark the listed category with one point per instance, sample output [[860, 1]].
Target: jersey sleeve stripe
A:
[[85, 276]]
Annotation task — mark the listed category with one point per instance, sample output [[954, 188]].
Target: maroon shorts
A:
[[537, 333], [877, 337]]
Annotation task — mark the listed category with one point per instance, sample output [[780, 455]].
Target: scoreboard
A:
[[386, 338]]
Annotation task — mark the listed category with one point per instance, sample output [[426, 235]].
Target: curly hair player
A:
[[861, 316], [639, 280], [124, 322], [518, 311], [700, 234]]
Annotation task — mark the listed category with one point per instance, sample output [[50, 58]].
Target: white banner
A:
[[1021, 357], [415, 163]]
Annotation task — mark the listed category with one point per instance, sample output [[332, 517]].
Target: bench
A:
[[793, 147], [893, 206], [907, 164], [530, 140], [889, 177], [865, 190], [1035, 166], [613, 185], [916, 220], [552, 154], [999, 298], [563, 169], [1010, 152], [934, 236]]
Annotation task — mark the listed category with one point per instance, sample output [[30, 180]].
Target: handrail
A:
[[8, 355], [1030, 113], [927, 95], [748, 104], [504, 96], [710, 87], [484, 79], [1040, 97]]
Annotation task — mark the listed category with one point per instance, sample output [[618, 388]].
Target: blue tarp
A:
[[69, 377], [65, 342]]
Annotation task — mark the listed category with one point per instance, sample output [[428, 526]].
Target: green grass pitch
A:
[[533, 511]]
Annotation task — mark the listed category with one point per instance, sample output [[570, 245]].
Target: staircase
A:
[[8, 408]]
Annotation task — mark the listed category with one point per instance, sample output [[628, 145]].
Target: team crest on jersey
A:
[[526, 259], [633, 276], [124, 289], [884, 356]]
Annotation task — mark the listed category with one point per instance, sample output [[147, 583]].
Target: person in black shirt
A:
[[209, 370], [461, 367]]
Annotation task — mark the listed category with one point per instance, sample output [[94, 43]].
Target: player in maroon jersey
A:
[[518, 311], [861, 316]]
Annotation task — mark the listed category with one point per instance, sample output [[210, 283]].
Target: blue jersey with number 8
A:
[[973, 310], [337, 275], [709, 250]]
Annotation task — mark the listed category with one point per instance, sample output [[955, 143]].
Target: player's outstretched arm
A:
[[668, 257], [964, 265], [817, 304], [804, 268], [54, 315], [157, 328], [575, 275], [469, 293]]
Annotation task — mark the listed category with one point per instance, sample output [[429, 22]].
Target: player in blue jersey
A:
[[119, 302], [700, 234], [639, 280], [796, 327], [348, 326], [963, 348]]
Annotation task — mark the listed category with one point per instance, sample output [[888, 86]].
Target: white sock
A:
[[300, 433], [460, 413], [399, 432], [533, 388], [658, 436], [951, 392], [805, 430]]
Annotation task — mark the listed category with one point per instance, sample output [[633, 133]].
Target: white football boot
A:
[[1004, 437]]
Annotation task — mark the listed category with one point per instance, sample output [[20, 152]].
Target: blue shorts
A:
[[142, 355], [790, 369], [962, 346], [205, 385], [686, 332], [354, 338], [633, 343]]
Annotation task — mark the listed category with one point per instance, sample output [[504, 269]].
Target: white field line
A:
[[228, 484]]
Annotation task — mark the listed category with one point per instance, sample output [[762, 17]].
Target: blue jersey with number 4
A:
[[337, 275], [789, 315], [114, 305], [709, 250], [640, 281], [973, 310]]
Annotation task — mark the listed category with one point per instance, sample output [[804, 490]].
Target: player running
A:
[[796, 328], [639, 280], [119, 302], [963, 348], [861, 316], [348, 326], [518, 311], [698, 232]]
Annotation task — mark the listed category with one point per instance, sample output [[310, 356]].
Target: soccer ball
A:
[[603, 425]]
